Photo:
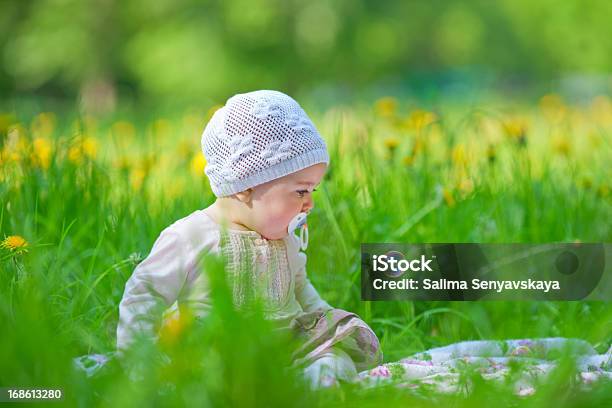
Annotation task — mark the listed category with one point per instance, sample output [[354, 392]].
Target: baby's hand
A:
[[321, 374], [331, 367]]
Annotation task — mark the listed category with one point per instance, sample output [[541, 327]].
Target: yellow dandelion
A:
[[448, 197], [15, 243], [162, 128], [408, 160], [123, 163], [171, 330], [185, 148], [385, 107], [11, 156], [147, 162], [491, 154], [123, 129], [192, 122], [75, 154], [601, 110], [41, 154], [418, 119], [466, 186], [553, 108], [594, 139], [392, 142], [586, 183], [516, 129], [458, 155], [198, 163], [173, 327], [418, 146], [562, 146], [137, 177], [174, 190], [90, 147]]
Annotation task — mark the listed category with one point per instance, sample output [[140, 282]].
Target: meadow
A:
[[84, 198]]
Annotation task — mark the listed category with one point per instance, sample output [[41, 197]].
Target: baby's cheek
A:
[[279, 219], [279, 216]]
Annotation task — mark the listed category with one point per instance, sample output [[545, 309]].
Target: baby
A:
[[264, 159]]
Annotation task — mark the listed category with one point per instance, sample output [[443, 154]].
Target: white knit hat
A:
[[257, 137]]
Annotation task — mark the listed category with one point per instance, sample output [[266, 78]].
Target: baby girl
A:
[[264, 159]]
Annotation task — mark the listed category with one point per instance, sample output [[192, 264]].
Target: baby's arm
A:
[[154, 285], [306, 294]]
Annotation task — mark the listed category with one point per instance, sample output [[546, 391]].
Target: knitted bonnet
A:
[[257, 137]]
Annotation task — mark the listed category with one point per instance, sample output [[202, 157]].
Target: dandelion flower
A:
[[491, 154], [41, 155], [408, 160], [418, 119], [123, 129], [594, 139], [458, 155], [516, 129], [448, 197], [553, 108], [386, 107], [123, 163], [15, 243], [90, 147], [198, 163], [466, 186], [586, 183], [419, 145], [185, 148], [601, 110], [391, 142], [162, 128], [562, 146], [137, 177], [147, 162], [75, 154], [174, 326]]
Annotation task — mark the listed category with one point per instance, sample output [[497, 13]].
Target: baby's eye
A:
[[302, 192]]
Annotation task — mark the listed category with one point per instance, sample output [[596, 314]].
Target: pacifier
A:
[[299, 221]]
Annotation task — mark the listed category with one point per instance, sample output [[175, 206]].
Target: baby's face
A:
[[275, 203]]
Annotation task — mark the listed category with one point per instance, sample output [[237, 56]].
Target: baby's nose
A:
[[308, 205]]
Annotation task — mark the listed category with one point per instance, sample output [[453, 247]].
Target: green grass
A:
[[86, 221]]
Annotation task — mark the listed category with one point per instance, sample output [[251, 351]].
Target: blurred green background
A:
[[186, 51], [467, 121]]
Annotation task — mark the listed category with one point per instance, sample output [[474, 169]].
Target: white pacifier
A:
[[299, 221]]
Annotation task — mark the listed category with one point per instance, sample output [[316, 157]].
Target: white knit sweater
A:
[[171, 276]]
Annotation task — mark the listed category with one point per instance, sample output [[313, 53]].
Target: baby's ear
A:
[[245, 196]]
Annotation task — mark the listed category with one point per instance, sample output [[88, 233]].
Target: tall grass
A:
[[90, 197]]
